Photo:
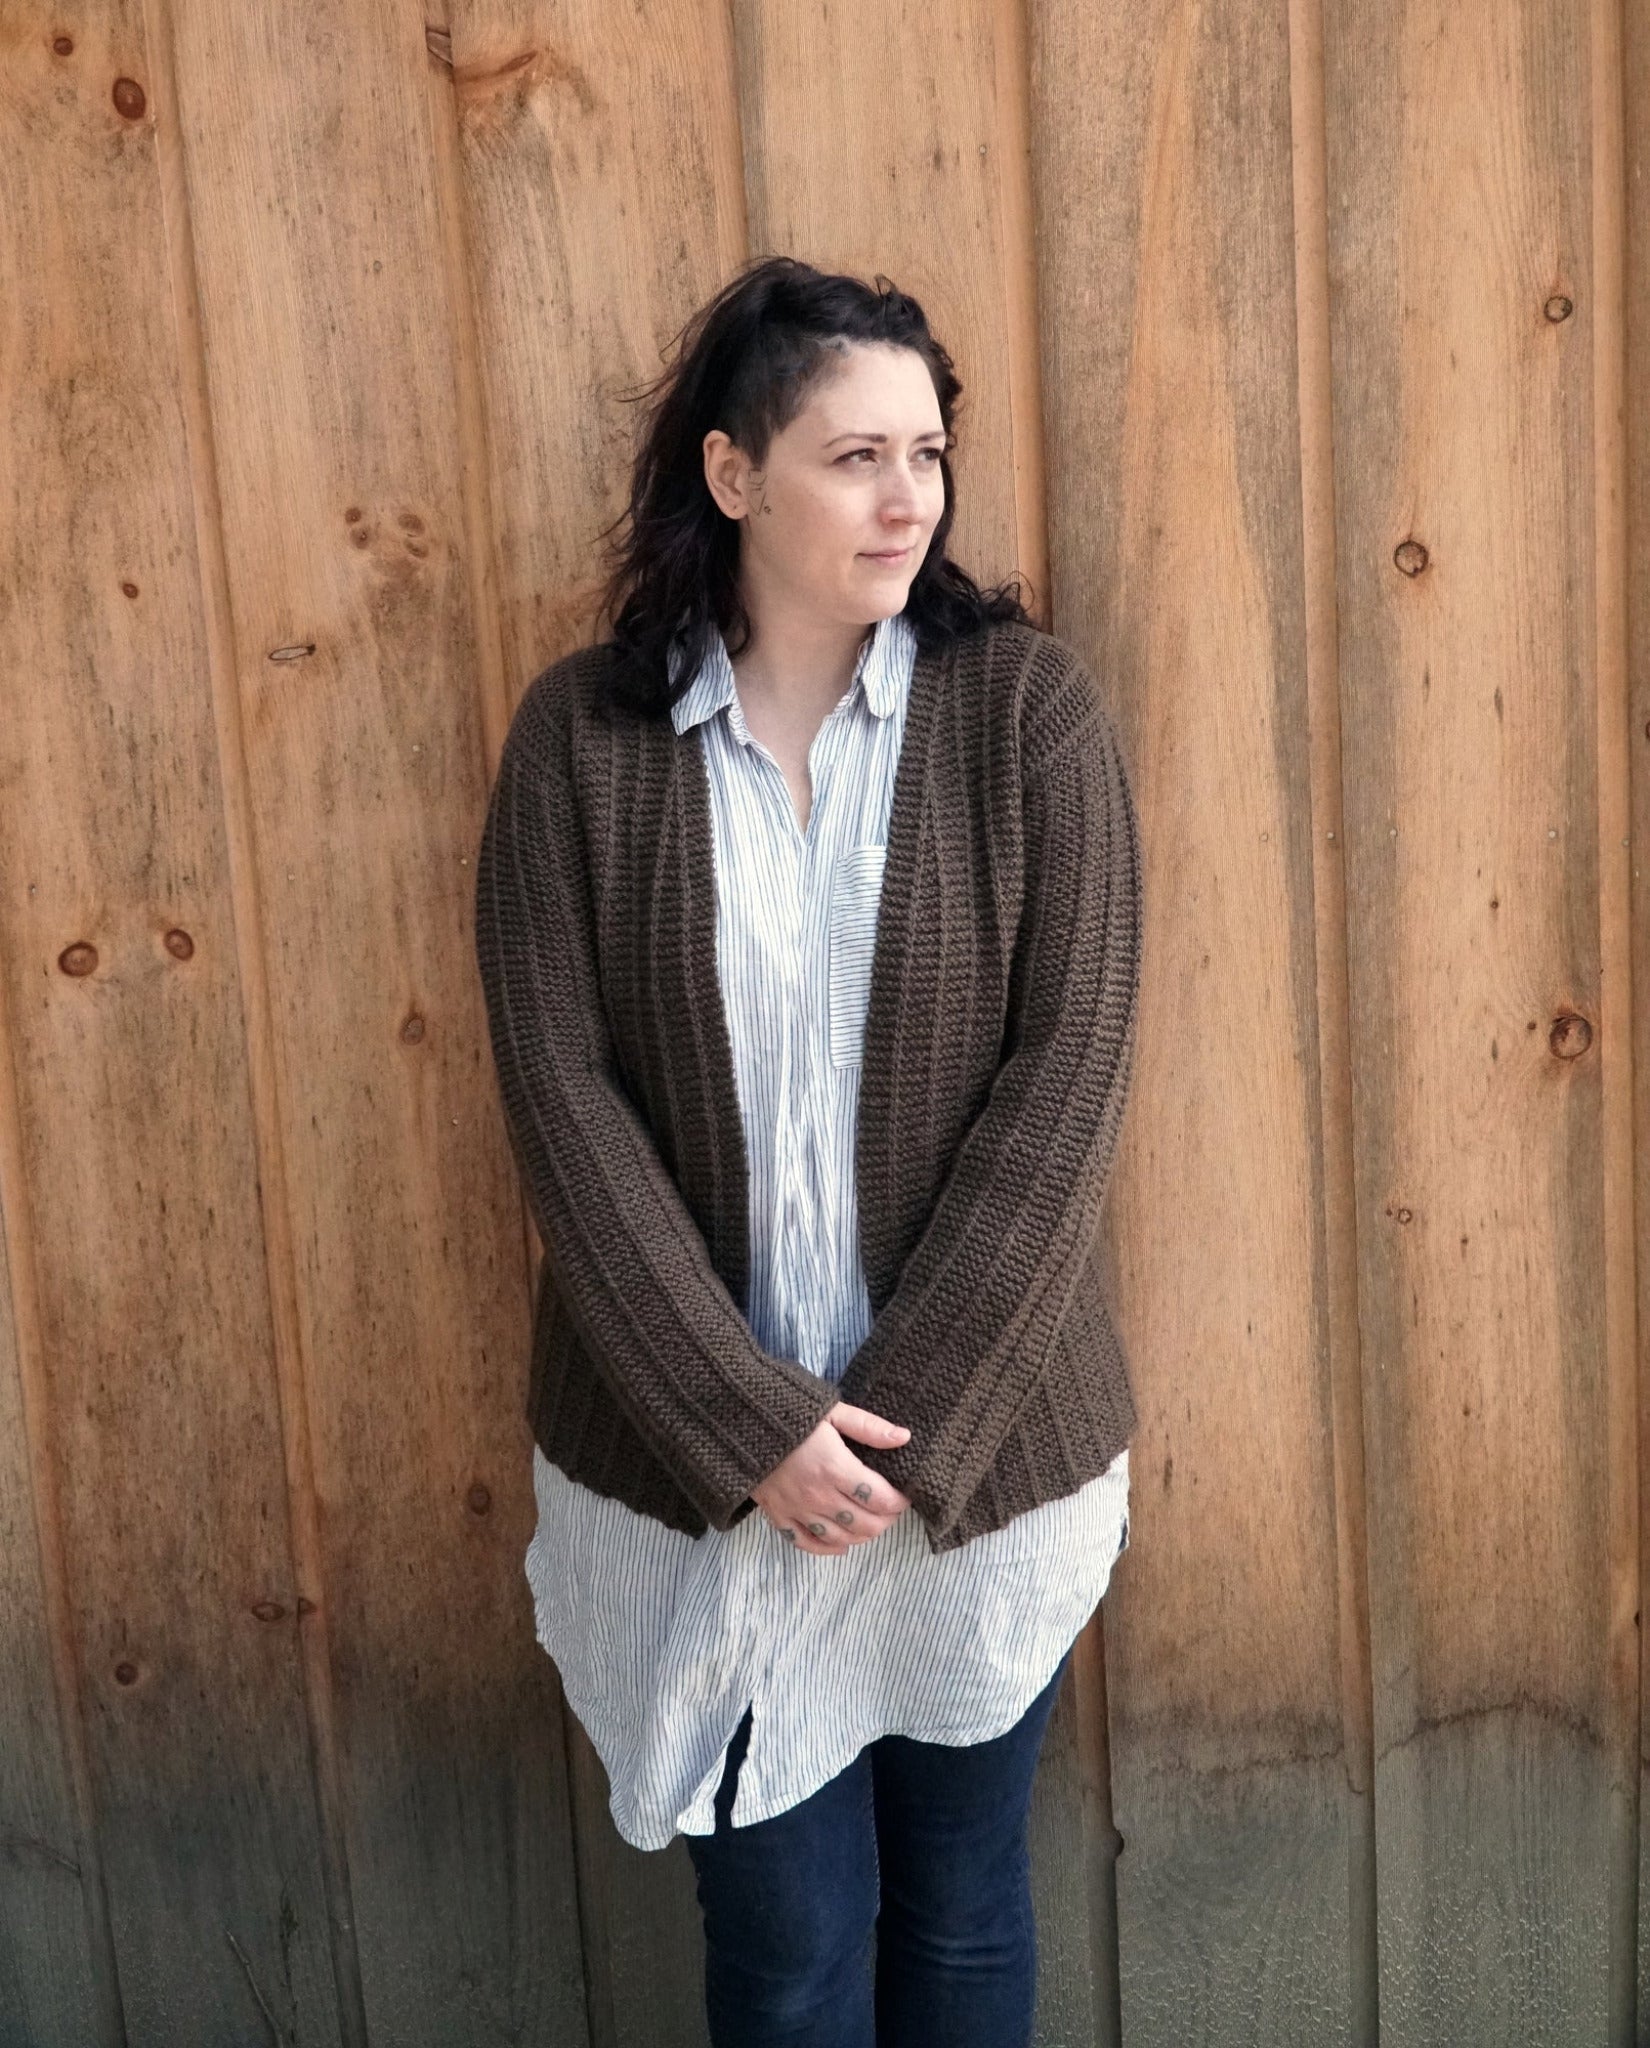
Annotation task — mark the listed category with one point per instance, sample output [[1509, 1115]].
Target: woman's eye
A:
[[854, 453]]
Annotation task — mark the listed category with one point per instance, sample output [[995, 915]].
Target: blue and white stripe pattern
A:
[[662, 1639]]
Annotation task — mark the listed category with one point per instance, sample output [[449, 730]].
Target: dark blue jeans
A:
[[890, 1909]]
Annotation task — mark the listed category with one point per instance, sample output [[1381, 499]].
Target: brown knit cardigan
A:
[[998, 1044]]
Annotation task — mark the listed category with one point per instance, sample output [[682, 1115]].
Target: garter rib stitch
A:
[[998, 1047]]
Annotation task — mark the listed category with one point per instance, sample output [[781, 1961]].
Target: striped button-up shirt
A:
[[663, 1639]]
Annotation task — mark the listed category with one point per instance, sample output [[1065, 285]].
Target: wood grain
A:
[[872, 143], [134, 1141], [57, 1969], [1162, 176], [1459, 216], [336, 344], [896, 142], [598, 161], [1630, 740], [1303, 351]]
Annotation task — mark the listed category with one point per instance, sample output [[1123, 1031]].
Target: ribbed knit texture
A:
[[998, 1044], [663, 1640]]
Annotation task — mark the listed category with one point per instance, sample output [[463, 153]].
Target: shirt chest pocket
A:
[[856, 891]]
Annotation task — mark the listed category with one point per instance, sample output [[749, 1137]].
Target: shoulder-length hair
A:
[[746, 362]]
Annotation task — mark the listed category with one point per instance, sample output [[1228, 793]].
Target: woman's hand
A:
[[821, 1497]]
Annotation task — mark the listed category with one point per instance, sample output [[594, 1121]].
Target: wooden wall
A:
[[1304, 345]]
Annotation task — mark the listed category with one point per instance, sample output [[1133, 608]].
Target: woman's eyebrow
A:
[[927, 434]]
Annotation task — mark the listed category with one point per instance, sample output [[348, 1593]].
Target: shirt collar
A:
[[883, 669]]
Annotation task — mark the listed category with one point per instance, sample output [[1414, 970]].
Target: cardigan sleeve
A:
[[631, 1264], [957, 1349]]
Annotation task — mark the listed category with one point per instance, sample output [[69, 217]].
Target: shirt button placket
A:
[[820, 1076], [786, 1221], [814, 994]]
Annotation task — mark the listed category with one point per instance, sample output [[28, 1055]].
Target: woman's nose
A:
[[901, 499]]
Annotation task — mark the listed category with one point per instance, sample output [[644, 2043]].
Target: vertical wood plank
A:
[[336, 340], [872, 139], [1069, 1864], [1459, 214], [1314, 384], [1162, 177], [897, 142], [600, 173], [133, 1136], [646, 1938], [1634, 431], [1610, 54], [57, 1982]]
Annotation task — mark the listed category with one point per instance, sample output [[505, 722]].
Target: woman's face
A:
[[838, 519]]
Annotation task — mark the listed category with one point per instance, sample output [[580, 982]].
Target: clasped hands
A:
[[821, 1497]]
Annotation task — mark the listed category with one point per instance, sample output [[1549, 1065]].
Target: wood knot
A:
[[1570, 1036]]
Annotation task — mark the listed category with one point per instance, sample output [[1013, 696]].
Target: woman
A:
[[808, 918]]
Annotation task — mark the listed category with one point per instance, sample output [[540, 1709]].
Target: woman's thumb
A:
[[866, 1427]]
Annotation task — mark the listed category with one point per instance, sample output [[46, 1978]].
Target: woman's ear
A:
[[726, 473]]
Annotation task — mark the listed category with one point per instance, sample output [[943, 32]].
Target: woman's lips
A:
[[890, 557]]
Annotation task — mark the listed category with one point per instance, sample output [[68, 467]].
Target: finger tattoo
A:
[[846, 1517], [816, 1528], [863, 1491], [788, 1533]]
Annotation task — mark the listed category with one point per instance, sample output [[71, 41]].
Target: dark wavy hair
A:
[[746, 362]]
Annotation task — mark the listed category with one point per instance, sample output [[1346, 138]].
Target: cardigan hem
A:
[[649, 1489]]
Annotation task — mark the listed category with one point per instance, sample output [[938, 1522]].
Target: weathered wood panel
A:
[[881, 139], [1629, 474], [600, 172], [56, 1985], [314, 398], [895, 141], [335, 335], [1162, 169], [1459, 216], [134, 1137]]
